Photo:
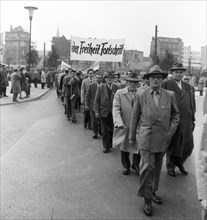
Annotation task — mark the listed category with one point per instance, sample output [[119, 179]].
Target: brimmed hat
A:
[[22, 68], [178, 66], [133, 77], [109, 74], [155, 70]]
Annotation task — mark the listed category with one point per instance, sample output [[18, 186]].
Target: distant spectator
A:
[[3, 81], [15, 84], [43, 78]]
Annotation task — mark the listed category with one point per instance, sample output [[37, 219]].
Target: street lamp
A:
[[31, 9]]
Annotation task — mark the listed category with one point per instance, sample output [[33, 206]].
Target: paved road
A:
[[53, 169]]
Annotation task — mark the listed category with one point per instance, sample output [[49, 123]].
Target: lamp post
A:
[[31, 9]]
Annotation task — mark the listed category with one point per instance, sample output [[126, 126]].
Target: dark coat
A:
[[102, 103], [156, 125], [181, 144], [90, 96]]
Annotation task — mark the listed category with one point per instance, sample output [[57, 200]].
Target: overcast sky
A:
[[132, 20]]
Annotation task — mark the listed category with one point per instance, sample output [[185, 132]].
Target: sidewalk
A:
[[35, 93]]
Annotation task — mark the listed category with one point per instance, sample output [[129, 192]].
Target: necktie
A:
[[156, 99]]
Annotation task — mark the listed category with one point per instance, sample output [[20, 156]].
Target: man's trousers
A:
[[150, 169], [107, 127]]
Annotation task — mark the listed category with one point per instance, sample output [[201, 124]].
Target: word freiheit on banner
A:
[[102, 48]]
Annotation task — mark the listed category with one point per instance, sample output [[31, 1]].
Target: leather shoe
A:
[[182, 169], [126, 172], [147, 207], [105, 151], [95, 136], [74, 120], [156, 199], [136, 168], [171, 173]]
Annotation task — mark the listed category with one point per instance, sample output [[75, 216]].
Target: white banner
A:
[[97, 49]]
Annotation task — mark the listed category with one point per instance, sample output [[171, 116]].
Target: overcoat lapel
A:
[[176, 87], [162, 102]]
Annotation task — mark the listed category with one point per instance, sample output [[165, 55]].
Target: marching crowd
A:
[[148, 116]]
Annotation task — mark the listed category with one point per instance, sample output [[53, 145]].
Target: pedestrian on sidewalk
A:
[[4, 83], [24, 82], [122, 108], [43, 78], [15, 84], [155, 112], [201, 163]]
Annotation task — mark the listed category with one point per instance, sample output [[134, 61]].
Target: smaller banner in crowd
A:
[[97, 49], [64, 65], [95, 66]]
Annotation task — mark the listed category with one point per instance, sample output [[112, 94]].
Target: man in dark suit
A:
[[103, 109], [89, 104], [155, 112], [181, 145]]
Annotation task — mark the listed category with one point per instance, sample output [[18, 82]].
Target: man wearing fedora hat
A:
[[103, 109], [181, 145], [122, 108], [156, 114]]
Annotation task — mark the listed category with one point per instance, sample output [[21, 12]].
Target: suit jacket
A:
[[156, 125], [122, 108], [84, 88], [182, 143], [90, 96], [102, 103]]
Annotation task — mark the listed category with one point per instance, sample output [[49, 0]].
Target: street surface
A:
[[53, 169]]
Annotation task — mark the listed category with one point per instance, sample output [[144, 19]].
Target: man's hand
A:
[[131, 141], [204, 204], [97, 115]]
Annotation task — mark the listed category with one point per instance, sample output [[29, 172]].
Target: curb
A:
[[27, 100]]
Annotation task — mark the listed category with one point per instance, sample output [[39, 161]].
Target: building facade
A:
[[62, 47], [204, 57], [174, 45], [1, 47], [16, 46], [191, 59]]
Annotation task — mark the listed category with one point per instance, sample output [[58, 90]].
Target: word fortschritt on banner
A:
[[97, 49]]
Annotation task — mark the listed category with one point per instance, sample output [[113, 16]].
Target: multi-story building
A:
[[62, 47], [1, 47], [174, 45], [191, 59], [16, 46], [204, 57]]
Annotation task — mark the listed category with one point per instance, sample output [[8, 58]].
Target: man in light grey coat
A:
[[122, 108], [156, 112]]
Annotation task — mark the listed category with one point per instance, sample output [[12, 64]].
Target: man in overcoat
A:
[[103, 109], [122, 108], [15, 84], [84, 88], [181, 145], [156, 112], [89, 104]]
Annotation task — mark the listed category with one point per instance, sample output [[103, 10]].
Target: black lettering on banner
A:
[[100, 49]]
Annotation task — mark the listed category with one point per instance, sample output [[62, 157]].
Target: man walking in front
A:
[[181, 145], [156, 112]]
